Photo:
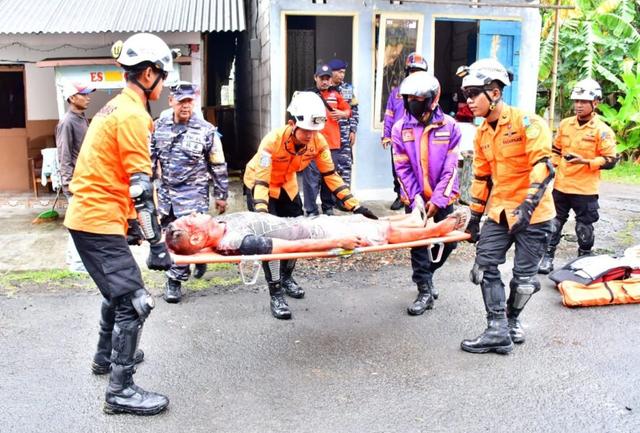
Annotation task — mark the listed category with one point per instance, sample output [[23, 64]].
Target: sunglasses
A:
[[318, 120], [163, 74], [472, 92]]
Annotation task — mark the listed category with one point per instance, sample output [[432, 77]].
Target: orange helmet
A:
[[415, 61]]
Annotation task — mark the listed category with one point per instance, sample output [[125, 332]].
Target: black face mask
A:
[[417, 108]]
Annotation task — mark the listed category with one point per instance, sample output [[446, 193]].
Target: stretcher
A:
[[250, 264]]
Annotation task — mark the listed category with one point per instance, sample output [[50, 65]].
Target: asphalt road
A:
[[350, 361]]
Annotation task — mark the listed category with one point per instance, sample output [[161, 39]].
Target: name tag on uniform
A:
[[407, 135], [442, 134]]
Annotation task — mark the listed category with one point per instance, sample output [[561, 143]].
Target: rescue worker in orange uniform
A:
[[583, 146], [336, 109], [271, 183], [512, 170], [111, 187]]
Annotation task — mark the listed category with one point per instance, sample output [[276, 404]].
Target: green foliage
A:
[[624, 117], [623, 172], [594, 40]]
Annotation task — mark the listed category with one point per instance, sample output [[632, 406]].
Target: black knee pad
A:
[[143, 303], [585, 234], [522, 288]]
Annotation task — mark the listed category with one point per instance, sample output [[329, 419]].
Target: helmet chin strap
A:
[[147, 91], [492, 103]]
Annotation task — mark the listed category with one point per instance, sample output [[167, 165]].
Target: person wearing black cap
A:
[[337, 109], [186, 155]]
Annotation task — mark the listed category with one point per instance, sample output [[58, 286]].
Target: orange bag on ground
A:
[[606, 293]]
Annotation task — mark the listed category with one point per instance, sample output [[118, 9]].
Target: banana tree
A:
[[594, 39], [624, 117]]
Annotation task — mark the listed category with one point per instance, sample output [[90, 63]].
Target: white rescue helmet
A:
[[308, 111], [143, 47], [421, 84], [586, 90], [482, 72]]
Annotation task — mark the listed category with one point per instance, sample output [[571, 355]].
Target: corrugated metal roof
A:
[[99, 16]]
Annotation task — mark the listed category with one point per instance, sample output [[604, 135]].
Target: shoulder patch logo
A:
[[265, 160], [533, 131]]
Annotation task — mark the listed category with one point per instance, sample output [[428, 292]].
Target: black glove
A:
[[159, 258], [473, 228], [365, 212], [523, 216], [134, 233]]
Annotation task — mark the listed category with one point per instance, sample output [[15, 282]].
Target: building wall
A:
[[41, 97], [253, 83], [372, 171]]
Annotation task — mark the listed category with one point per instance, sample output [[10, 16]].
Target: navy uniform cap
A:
[[336, 64], [323, 70], [184, 90]]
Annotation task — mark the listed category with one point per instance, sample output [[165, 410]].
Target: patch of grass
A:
[[207, 283], [623, 172], [46, 276], [625, 236]]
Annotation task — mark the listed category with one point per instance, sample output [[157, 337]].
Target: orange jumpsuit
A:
[[509, 158], [275, 164], [593, 141], [115, 147]]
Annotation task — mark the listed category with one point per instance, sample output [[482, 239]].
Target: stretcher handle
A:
[[438, 257], [249, 270]]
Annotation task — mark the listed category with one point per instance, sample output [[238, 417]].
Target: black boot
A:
[[122, 395], [582, 252], [279, 307], [423, 302], [290, 285], [546, 265], [434, 290], [200, 270], [397, 204], [173, 292], [102, 368], [494, 339], [101, 363], [516, 331]]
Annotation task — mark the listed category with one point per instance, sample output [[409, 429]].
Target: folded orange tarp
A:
[[209, 256], [607, 293]]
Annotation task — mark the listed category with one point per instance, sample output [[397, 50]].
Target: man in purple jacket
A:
[[425, 156], [394, 112]]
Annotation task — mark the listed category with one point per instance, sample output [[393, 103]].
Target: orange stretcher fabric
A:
[[607, 293], [209, 256]]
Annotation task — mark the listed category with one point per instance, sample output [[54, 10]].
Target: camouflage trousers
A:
[[313, 183]]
